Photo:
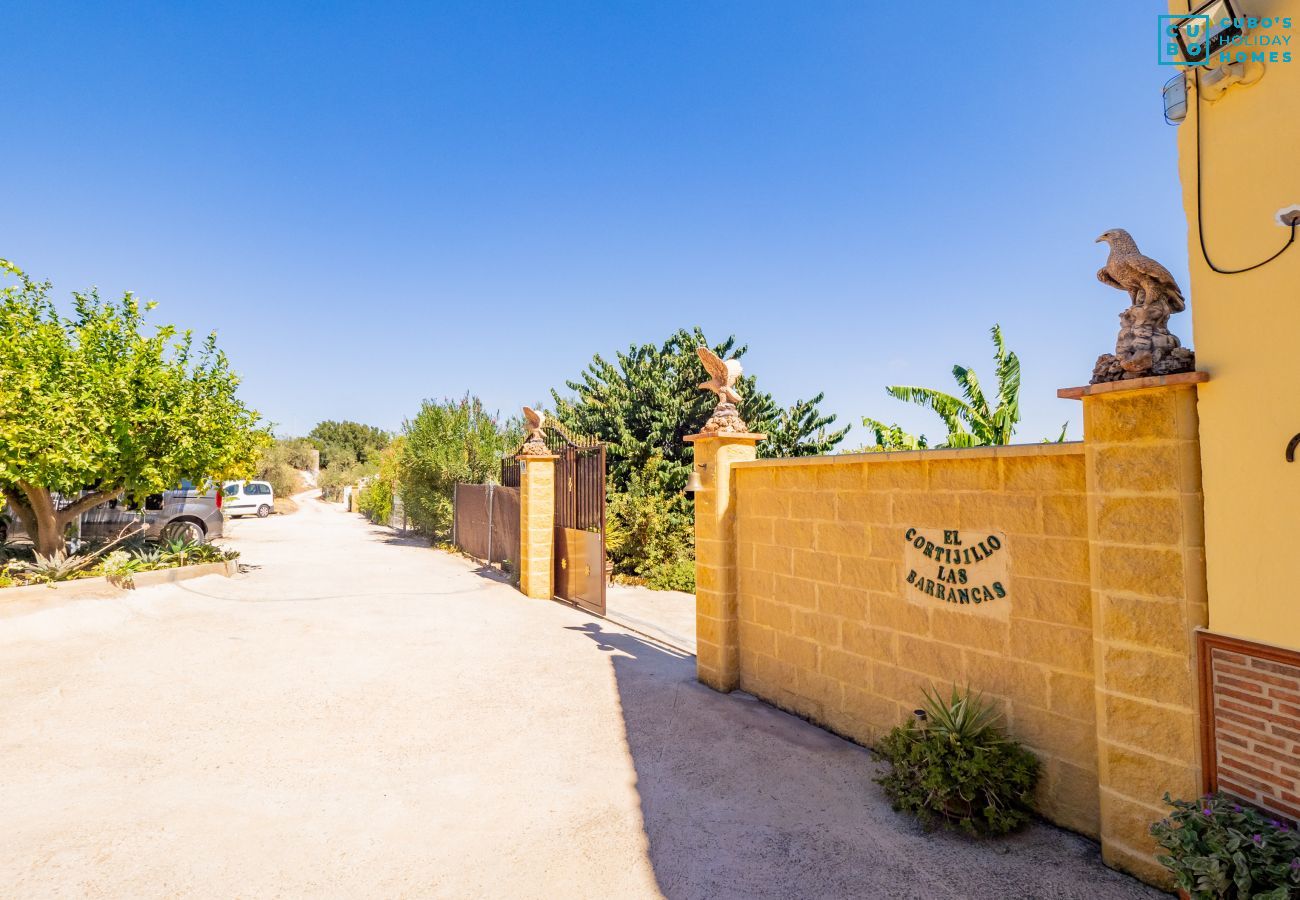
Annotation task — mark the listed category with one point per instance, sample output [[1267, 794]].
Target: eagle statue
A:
[[1128, 270], [723, 375], [535, 420], [1145, 346], [536, 443]]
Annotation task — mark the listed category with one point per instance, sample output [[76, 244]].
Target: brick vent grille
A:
[[1253, 733]]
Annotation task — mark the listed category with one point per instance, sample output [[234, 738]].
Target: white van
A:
[[243, 498]]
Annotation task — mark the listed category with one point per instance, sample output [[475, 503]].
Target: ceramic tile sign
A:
[[966, 568]]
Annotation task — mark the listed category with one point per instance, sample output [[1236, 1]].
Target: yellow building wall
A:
[[1245, 331], [828, 629]]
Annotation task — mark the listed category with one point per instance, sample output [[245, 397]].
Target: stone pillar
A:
[[1147, 533], [716, 630], [537, 526]]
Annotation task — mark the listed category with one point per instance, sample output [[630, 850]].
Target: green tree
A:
[[450, 442], [892, 436], [650, 532], [645, 402], [347, 443], [800, 430], [377, 495], [333, 480], [92, 402], [970, 419], [281, 462]]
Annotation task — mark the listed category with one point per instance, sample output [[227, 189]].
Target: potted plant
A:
[[952, 765], [1220, 848]]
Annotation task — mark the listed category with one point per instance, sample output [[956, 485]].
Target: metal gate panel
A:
[[580, 572], [580, 525], [580, 568]]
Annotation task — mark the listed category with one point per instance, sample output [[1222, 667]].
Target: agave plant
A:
[[211, 553], [190, 553], [58, 566], [149, 557], [176, 552]]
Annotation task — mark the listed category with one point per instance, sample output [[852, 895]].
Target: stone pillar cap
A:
[[539, 456], [727, 435], [1131, 384]]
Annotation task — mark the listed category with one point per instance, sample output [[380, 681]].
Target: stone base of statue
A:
[[725, 420], [534, 446], [1111, 368], [1144, 346]]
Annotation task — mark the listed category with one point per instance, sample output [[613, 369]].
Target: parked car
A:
[[188, 513], [243, 498]]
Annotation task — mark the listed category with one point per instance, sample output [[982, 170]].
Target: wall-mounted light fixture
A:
[[1175, 93]]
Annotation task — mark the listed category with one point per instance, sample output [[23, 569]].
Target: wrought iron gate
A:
[[580, 574]]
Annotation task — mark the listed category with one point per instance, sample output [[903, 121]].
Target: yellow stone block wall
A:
[[1148, 574], [537, 528], [827, 630]]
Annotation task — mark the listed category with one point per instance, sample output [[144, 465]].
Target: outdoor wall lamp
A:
[[1175, 96], [694, 483]]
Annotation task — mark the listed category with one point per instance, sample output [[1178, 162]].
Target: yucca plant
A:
[[962, 717], [952, 765]]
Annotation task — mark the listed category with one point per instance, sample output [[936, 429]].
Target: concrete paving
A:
[[666, 616], [360, 716]]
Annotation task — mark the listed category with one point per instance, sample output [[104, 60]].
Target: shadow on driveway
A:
[[739, 799]]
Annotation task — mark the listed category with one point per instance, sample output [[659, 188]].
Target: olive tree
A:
[[98, 402]]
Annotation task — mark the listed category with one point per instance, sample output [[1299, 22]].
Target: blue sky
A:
[[375, 203]]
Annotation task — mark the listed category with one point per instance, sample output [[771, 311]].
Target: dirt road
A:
[[361, 716]]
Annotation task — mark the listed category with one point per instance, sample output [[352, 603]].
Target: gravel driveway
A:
[[361, 716]]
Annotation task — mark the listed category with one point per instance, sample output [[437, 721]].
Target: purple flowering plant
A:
[[1220, 848]]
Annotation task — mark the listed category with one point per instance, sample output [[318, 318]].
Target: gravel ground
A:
[[360, 716]]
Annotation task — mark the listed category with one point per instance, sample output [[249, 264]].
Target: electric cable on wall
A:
[[1200, 217]]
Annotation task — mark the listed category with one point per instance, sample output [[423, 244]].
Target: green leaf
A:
[[970, 422]]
